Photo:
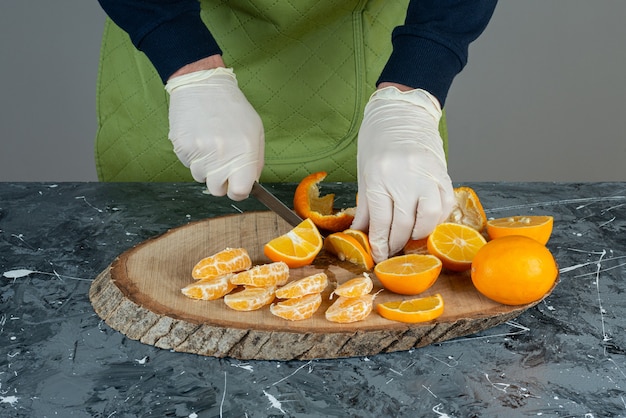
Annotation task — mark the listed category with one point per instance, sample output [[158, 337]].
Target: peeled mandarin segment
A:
[[250, 299], [413, 310], [408, 274], [348, 248], [514, 270], [209, 289], [353, 288], [296, 248], [468, 210], [297, 309], [315, 283], [263, 275], [361, 238], [537, 227], [455, 245], [345, 310], [229, 260], [308, 204]]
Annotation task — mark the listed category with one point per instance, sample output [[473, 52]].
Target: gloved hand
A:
[[404, 187], [216, 132]]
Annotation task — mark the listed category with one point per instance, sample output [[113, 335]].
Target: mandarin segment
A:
[[356, 287], [229, 260], [346, 310], [308, 203], [347, 248], [412, 310], [297, 309], [298, 247], [209, 289], [250, 298], [455, 245], [263, 275], [409, 274], [315, 283], [537, 227]]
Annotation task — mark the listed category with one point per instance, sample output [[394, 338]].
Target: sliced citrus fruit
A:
[[229, 260], [346, 310], [361, 237], [455, 245], [416, 246], [537, 227], [355, 287], [296, 248], [468, 210], [413, 310], [250, 298], [314, 283], [514, 270], [296, 309], [263, 275], [209, 289], [348, 248], [408, 274], [308, 204]]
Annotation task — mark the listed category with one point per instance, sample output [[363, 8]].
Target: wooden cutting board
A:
[[139, 295]]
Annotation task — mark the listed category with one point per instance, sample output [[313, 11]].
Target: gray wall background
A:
[[543, 97]]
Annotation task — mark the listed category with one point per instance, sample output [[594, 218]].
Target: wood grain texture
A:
[[139, 295]]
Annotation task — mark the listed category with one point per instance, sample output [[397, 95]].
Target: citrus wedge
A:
[[209, 289], [296, 248], [361, 238], [537, 227], [345, 310], [354, 288], [250, 298], [468, 210], [413, 310], [308, 203], [455, 245], [348, 248], [315, 283], [408, 274], [229, 260], [297, 309]]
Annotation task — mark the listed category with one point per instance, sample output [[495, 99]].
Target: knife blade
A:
[[274, 204]]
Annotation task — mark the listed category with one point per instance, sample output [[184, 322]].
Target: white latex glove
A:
[[216, 132], [404, 187]]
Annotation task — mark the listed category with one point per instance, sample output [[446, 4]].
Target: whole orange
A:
[[514, 270]]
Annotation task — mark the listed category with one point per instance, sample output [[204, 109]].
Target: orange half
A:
[[408, 274], [537, 227], [308, 203], [455, 245], [296, 248], [413, 310]]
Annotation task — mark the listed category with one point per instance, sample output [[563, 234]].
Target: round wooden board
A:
[[139, 295]]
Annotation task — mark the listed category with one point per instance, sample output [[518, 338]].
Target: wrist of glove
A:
[[404, 186], [215, 131]]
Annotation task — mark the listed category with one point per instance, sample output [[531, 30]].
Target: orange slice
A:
[[296, 248], [345, 310], [537, 227], [414, 310], [229, 260], [308, 204], [348, 248], [468, 209], [263, 275], [209, 289], [408, 274], [315, 283], [354, 288], [455, 245], [416, 246], [250, 298], [297, 309], [361, 237]]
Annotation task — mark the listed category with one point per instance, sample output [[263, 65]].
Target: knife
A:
[[274, 204]]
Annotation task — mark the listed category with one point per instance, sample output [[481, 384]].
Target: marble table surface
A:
[[565, 357]]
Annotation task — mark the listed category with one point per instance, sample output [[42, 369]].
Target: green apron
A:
[[307, 67]]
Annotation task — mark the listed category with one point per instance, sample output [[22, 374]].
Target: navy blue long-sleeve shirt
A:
[[429, 49]]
